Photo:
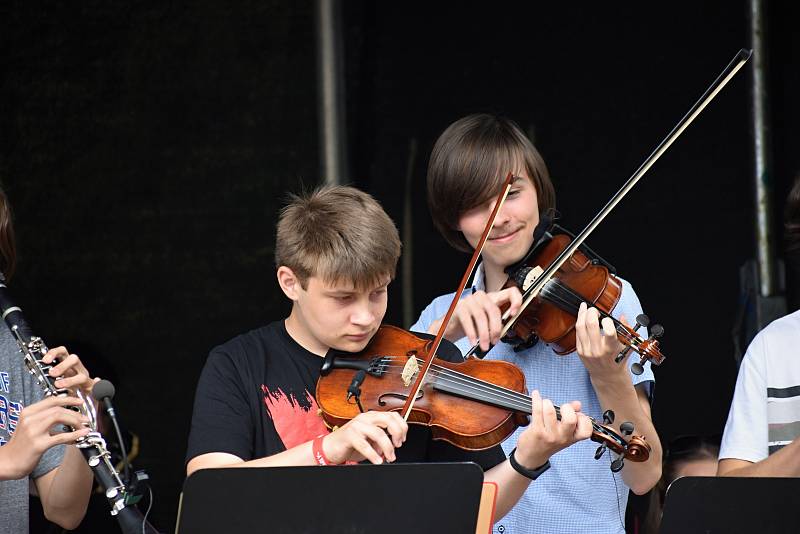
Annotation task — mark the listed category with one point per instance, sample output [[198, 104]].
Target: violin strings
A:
[[521, 402], [499, 396], [561, 294], [569, 301], [480, 390]]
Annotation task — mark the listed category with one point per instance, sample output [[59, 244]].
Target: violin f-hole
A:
[[399, 396]]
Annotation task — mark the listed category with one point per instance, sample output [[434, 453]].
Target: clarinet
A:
[[92, 446]]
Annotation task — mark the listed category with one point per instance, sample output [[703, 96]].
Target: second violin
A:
[[474, 405], [585, 277]]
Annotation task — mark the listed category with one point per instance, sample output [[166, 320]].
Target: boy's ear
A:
[[290, 284]]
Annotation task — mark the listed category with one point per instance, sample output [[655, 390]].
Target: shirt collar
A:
[[478, 282]]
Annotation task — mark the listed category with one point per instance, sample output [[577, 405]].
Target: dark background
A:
[[147, 148]]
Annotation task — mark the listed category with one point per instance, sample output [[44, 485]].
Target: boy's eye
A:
[[343, 298], [513, 192]]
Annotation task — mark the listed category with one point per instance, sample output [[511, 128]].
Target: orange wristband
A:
[[319, 454]]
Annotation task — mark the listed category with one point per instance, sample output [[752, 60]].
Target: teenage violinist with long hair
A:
[[469, 162]]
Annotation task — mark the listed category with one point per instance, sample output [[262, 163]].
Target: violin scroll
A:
[[634, 448], [647, 349]]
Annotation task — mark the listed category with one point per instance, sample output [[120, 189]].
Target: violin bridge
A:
[[531, 276], [409, 370]]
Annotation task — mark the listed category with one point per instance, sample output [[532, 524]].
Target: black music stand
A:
[[717, 505], [398, 498]]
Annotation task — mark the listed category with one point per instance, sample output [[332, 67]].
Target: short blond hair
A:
[[339, 234]]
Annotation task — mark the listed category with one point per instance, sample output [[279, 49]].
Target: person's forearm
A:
[[296, 456], [510, 487], [624, 401], [783, 463], [433, 328], [9, 469], [69, 492]]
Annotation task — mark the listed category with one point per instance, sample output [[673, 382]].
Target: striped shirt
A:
[[765, 412]]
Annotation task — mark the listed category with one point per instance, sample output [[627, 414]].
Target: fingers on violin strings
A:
[[593, 322], [609, 328], [536, 409], [580, 330], [610, 339], [549, 415], [584, 429], [568, 417]]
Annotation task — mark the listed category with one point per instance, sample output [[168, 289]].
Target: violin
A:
[[558, 276], [585, 277], [474, 405]]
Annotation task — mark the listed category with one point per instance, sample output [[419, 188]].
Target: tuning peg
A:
[[657, 331], [617, 465], [608, 417], [641, 320], [601, 450], [637, 368], [626, 428], [622, 355]]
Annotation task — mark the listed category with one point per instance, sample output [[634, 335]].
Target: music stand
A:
[[395, 498], [716, 505]]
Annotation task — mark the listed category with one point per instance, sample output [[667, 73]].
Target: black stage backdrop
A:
[[147, 148]]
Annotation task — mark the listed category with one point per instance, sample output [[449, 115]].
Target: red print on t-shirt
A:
[[295, 423]]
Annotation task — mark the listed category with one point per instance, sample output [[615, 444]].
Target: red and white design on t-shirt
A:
[[296, 422]]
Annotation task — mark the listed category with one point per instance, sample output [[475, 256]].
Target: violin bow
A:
[[727, 74], [422, 373]]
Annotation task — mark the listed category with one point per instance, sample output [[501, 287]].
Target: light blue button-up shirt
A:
[[578, 494]]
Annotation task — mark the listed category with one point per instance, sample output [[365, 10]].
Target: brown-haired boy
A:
[[336, 253], [469, 162]]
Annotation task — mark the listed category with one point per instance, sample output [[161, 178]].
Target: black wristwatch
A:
[[532, 474]]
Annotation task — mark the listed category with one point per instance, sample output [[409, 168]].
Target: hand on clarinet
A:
[[74, 375], [37, 430]]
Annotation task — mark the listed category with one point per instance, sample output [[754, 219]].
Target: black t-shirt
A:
[[255, 398]]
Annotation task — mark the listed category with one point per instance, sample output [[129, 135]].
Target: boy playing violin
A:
[[336, 252], [470, 161]]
